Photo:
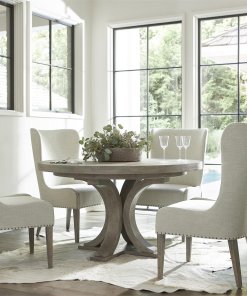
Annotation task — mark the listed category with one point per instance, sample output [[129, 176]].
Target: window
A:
[[223, 80], [6, 57], [147, 77], [52, 66]]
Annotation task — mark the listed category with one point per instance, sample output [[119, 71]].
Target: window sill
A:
[[55, 115], [11, 113]]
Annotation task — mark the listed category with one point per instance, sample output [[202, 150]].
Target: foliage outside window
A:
[[223, 81], [6, 57], [223, 77], [52, 66], [147, 77]]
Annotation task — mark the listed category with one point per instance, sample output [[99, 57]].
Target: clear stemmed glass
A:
[[186, 144], [179, 143], [164, 142]]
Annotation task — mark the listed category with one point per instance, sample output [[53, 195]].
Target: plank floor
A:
[[15, 239]]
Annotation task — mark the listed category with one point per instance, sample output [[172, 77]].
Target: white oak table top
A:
[[148, 168]]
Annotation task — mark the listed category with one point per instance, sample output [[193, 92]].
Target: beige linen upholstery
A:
[[178, 188], [224, 218], [21, 211], [62, 192]]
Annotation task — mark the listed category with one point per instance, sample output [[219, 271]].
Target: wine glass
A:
[[186, 144], [179, 143], [164, 143]]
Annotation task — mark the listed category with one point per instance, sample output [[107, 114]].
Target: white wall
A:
[[16, 161]]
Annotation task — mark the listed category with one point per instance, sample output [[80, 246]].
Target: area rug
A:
[[210, 269]]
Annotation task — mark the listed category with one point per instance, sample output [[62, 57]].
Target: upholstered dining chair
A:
[[62, 192], [25, 211], [182, 187], [225, 218]]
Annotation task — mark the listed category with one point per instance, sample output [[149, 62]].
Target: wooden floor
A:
[[15, 239]]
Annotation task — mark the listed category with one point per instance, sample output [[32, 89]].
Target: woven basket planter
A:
[[124, 154]]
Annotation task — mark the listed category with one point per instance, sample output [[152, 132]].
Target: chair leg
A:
[[38, 231], [76, 213], [188, 248], [49, 245], [68, 217], [161, 253], [233, 247], [31, 240]]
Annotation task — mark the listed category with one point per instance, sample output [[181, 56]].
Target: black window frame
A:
[[10, 78], [147, 69], [238, 114], [51, 21]]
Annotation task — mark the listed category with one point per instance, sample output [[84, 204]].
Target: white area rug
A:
[[210, 269]]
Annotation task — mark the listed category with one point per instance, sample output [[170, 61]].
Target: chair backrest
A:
[[54, 145], [232, 197], [230, 208], [196, 151]]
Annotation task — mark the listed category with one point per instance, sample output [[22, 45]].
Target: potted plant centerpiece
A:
[[113, 144]]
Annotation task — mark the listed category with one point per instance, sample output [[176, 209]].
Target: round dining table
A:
[[120, 204]]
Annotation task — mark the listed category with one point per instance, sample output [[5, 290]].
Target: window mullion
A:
[[50, 64], [147, 81], [11, 54], [113, 78], [238, 70]]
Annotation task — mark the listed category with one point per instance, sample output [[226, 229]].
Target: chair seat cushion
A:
[[160, 195], [192, 219], [18, 211], [77, 196]]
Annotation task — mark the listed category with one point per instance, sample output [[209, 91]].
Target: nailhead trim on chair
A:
[[80, 208], [192, 235], [10, 228]]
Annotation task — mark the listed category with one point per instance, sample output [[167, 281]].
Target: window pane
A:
[[243, 118], [211, 181], [4, 27], [164, 122], [4, 68], [6, 59], [61, 89], [131, 93], [165, 92], [61, 45], [243, 87], [131, 49], [40, 88], [219, 89], [137, 124], [165, 46], [215, 124], [40, 40], [219, 41], [243, 39]]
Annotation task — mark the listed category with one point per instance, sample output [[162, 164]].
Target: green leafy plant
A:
[[98, 147]]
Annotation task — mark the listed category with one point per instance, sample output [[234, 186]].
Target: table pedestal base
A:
[[120, 250], [120, 219]]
